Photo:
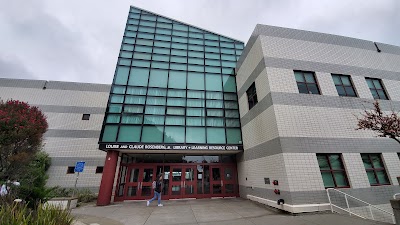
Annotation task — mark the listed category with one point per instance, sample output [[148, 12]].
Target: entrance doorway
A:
[[181, 180]]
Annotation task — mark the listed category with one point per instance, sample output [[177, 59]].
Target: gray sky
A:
[[79, 40]]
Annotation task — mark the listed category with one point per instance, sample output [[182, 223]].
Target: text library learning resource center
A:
[[272, 120]]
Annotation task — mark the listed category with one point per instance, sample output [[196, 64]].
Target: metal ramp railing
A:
[[344, 203]]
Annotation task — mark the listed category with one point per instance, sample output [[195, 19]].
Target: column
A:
[[107, 180]]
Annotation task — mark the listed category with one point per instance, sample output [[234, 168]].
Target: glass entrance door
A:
[[229, 181], [139, 182], [216, 181], [183, 182]]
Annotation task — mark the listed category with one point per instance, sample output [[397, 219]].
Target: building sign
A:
[[169, 147]]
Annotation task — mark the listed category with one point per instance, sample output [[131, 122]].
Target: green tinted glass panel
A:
[[134, 99], [159, 65], [376, 161], [336, 161], [231, 105], [215, 112], [232, 123], [121, 76], [157, 92], [214, 95], [176, 93], [176, 102], [157, 110], [143, 49], [177, 79], [174, 134], [229, 96], [229, 83], [328, 179], [164, 25], [162, 44], [195, 112], [196, 81], [382, 177], [155, 120], [126, 54], [346, 80], [164, 58], [118, 90], [371, 177], [124, 62], [110, 133], [152, 134], [114, 108], [178, 59], [216, 135], [370, 83], [139, 77], [133, 109], [140, 55], [136, 91], [175, 120], [130, 34], [366, 161], [175, 111], [299, 77], [132, 119], [232, 113], [215, 122], [323, 162], [196, 135], [141, 63], [161, 51], [113, 118], [144, 42], [117, 99], [158, 78], [233, 136], [196, 54], [156, 100], [341, 180], [195, 94], [215, 104], [177, 66], [126, 47], [162, 37], [195, 121], [195, 103]]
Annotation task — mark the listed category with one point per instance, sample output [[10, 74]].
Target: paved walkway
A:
[[234, 211]]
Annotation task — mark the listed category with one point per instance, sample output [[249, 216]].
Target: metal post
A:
[[347, 203], [370, 210], [329, 198], [76, 181]]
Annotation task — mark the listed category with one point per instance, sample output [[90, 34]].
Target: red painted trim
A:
[[107, 179]]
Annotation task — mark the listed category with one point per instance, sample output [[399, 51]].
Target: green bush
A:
[[84, 195], [20, 214]]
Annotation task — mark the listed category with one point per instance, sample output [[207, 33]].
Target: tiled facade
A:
[[286, 129], [69, 138]]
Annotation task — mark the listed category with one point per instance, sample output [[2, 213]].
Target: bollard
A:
[[396, 209]]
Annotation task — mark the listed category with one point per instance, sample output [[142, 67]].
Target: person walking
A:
[[157, 186]]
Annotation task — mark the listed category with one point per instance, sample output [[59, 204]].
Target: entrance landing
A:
[[234, 211]]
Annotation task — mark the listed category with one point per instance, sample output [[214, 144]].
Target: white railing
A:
[[356, 207]]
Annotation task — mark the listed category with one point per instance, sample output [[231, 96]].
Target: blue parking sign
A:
[[79, 167]]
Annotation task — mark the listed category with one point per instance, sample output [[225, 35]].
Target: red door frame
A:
[[141, 166]]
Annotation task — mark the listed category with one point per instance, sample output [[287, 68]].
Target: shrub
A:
[[20, 214], [84, 195]]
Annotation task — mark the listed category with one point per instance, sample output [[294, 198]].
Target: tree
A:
[[384, 124], [21, 130]]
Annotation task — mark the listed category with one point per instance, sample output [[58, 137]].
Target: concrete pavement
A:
[[235, 211]]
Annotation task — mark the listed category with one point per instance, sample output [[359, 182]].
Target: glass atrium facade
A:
[[174, 84]]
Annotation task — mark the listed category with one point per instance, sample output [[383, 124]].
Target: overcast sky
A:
[[79, 40]]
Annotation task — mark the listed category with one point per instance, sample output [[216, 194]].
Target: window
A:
[[252, 96], [306, 82], [332, 170], [375, 169], [99, 169], [71, 170], [85, 116], [344, 86], [376, 87]]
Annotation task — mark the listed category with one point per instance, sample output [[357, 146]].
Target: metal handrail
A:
[[360, 201], [347, 203]]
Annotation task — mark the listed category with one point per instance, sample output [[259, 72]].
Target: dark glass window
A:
[[99, 169], [376, 87], [375, 169], [344, 86], [332, 170], [252, 96], [71, 170], [306, 82], [85, 116]]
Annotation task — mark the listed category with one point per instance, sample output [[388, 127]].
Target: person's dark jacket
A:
[[158, 186]]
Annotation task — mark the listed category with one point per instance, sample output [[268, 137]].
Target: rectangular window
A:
[[99, 169], [85, 116], [252, 95], [376, 87], [344, 86], [332, 170], [375, 169], [71, 170], [306, 82]]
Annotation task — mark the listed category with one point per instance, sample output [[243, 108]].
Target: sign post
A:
[[78, 169]]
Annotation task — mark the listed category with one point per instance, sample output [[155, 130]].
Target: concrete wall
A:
[[69, 138], [287, 129]]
